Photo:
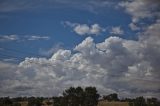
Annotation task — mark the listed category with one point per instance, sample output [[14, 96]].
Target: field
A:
[[25, 103], [101, 103], [105, 103]]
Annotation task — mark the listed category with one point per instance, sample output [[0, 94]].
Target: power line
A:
[[20, 52], [4, 56]]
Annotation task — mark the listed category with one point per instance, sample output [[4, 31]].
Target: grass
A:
[[105, 103], [100, 103], [25, 103]]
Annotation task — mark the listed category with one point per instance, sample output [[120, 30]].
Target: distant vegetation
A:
[[77, 97]]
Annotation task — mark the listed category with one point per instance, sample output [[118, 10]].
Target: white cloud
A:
[[140, 9], [4, 38], [128, 67], [89, 5], [61, 55], [134, 27], [84, 29], [153, 29], [117, 31], [36, 37], [9, 38], [96, 29]]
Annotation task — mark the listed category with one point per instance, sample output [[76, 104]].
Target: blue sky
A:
[[45, 21], [71, 40]]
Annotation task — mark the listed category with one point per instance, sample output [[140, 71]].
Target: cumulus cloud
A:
[[140, 9], [84, 29], [117, 31], [127, 67], [153, 29]]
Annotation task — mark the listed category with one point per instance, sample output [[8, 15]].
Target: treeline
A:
[[31, 101], [138, 101], [77, 96]]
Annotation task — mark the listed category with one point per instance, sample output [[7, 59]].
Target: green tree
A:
[[74, 96], [70, 96], [152, 102], [91, 96], [140, 101], [78, 97], [7, 101], [111, 97], [35, 101], [59, 101], [16, 104]]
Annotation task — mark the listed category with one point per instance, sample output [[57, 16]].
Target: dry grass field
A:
[[24, 103], [100, 103], [105, 103]]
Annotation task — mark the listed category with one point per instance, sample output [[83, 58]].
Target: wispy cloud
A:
[[5, 38], [10, 60], [34, 37], [89, 5], [51, 51], [9, 37]]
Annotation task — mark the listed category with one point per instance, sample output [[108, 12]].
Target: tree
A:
[[70, 96], [74, 96], [152, 102], [60, 101], [7, 101], [16, 104], [111, 97], [91, 96], [35, 101], [139, 101], [78, 97]]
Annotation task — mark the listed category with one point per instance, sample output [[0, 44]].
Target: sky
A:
[[47, 46]]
